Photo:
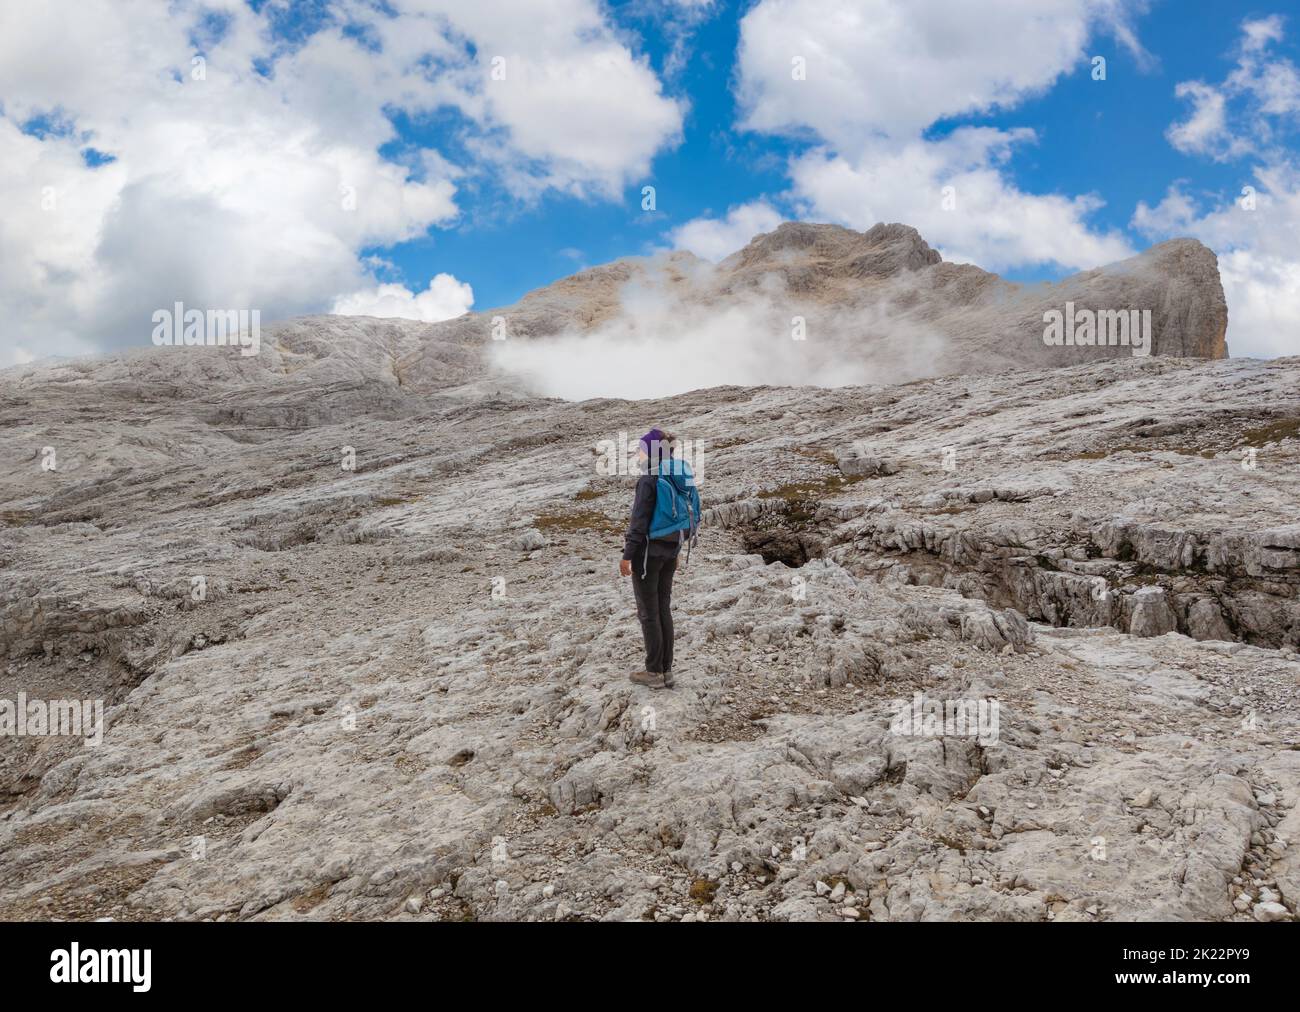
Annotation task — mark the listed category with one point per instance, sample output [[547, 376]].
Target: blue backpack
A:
[[677, 503]]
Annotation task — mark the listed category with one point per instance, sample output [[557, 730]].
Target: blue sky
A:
[[1095, 137], [359, 156], [506, 249]]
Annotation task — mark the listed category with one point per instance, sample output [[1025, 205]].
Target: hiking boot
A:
[[668, 679], [649, 679]]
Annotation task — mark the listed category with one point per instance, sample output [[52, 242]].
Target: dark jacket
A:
[[636, 540]]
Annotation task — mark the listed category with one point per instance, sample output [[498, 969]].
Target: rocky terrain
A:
[[349, 723], [364, 648]]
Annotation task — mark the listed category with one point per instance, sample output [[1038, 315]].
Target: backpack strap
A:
[[692, 533], [645, 559]]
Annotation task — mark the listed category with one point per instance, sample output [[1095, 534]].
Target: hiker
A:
[[665, 515]]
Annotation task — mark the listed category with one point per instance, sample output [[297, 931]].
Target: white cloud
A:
[[561, 102], [956, 193], [880, 72], [745, 341], [444, 299], [678, 21], [715, 239], [234, 188], [1259, 32], [1238, 117], [893, 67], [1207, 126], [1263, 295]]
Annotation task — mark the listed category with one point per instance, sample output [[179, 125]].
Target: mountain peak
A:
[[815, 258], [882, 250]]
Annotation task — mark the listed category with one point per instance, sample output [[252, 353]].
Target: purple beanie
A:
[[652, 437]]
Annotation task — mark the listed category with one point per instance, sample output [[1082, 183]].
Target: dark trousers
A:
[[654, 598]]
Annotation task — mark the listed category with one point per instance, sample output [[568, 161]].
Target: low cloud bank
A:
[[660, 346], [444, 299]]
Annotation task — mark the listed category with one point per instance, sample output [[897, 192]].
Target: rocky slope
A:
[[402, 690]]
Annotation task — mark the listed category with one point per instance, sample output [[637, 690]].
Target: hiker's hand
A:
[[624, 567]]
